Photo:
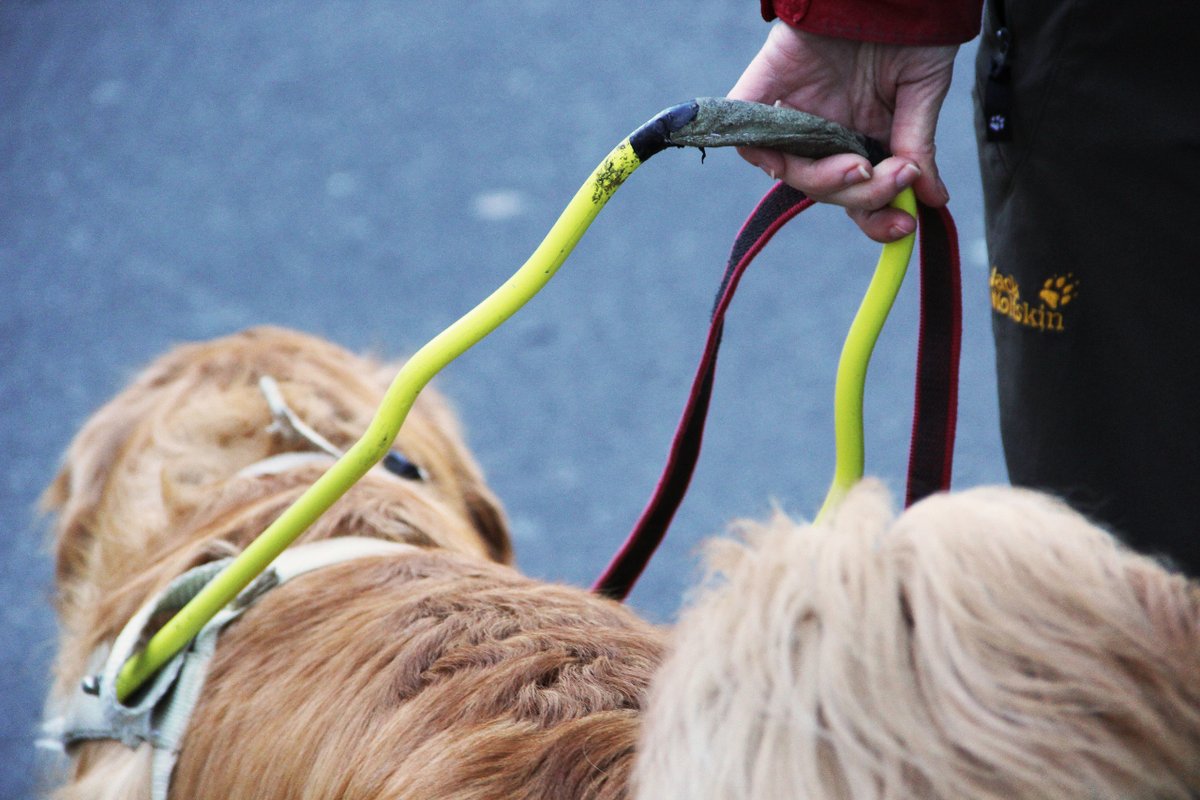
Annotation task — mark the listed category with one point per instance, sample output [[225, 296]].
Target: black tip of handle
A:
[[655, 135]]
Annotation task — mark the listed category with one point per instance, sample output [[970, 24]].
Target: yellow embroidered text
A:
[[1056, 292]]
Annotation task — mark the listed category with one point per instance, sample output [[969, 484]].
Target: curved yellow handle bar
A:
[[856, 355], [374, 444], [455, 340]]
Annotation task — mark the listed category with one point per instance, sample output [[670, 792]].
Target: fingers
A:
[[822, 180], [849, 181], [868, 203], [884, 225]]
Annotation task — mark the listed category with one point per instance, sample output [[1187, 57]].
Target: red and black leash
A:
[[936, 399]]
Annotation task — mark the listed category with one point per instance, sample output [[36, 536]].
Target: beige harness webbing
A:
[[160, 712]]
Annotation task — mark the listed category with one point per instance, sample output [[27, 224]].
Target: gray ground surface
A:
[[369, 171]]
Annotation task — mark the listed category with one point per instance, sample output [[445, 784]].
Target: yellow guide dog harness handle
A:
[[705, 122]]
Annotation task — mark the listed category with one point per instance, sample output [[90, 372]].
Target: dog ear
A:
[[488, 518], [78, 489], [443, 439]]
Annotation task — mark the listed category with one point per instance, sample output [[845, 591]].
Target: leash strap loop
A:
[[776, 208], [936, 395]]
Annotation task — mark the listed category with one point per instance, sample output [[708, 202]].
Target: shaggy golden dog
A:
[[433, 672], [987, 644]]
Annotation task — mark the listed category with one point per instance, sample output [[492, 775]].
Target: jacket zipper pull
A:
[[997, 93]]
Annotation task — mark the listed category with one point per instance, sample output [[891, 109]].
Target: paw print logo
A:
[[997, 122], [1059, 290]]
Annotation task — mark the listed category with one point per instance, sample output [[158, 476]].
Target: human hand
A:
[[890, 92]]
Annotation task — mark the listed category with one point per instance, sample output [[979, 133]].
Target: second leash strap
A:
[[776, 208], [936, 395]]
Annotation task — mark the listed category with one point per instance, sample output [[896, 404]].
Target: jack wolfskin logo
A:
[[1056, 292]]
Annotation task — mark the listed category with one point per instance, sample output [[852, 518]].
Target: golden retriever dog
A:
[[986, 644], [433, 672]]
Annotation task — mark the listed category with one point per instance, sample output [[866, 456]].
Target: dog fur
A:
[[441, 673], [987, 644]]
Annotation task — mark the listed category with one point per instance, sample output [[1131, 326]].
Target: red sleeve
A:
[[922, 22]]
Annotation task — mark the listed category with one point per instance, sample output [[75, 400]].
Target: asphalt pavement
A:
[[369, 171]]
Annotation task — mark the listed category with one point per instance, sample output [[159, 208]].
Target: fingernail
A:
[[857, 175], [771, 172], [907, 175], [778, 103], [900, 230]]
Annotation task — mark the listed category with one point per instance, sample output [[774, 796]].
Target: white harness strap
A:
[[160, 711]]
